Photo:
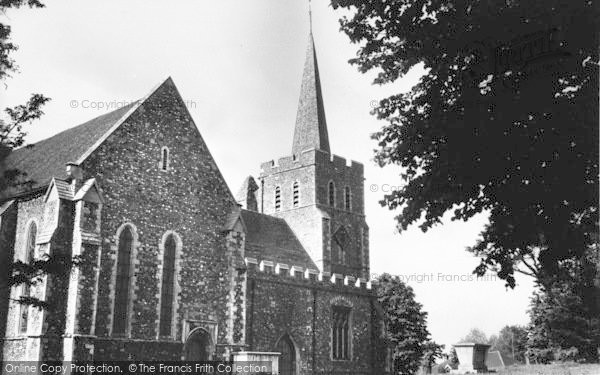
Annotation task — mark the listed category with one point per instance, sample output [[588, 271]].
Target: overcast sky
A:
[[238, 65]]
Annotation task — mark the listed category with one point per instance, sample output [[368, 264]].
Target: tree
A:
[[565, 318], [7, 64], [405, 323], [475, 335], [504, 116], [453, 358], [12, 135], [12, 132], [511, 342], [431, 352]]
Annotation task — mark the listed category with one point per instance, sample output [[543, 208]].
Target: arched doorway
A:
[[198, 346], [287, 359]]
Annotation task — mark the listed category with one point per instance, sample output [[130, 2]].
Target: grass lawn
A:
[[553, 369]]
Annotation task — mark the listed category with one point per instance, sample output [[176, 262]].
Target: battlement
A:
[[309, 275], [337, 161], [309, 157], [286, 163]]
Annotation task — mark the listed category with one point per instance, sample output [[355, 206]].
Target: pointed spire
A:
[[310, 15], [247, 194], [311, 126]]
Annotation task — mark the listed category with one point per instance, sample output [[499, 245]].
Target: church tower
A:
[[320, 195]]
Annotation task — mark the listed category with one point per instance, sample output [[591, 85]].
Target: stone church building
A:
[[173, 265]]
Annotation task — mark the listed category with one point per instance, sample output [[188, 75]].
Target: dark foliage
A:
[[505, 121], [33, 272], [431, 353], [7, 64], [511, 342], [12, 135], [453, 358], [565, 318], [406, 327]]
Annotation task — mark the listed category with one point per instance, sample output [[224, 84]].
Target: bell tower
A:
[[320, 195]]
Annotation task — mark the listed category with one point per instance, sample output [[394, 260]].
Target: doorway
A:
[[198, 346], [287, 359]]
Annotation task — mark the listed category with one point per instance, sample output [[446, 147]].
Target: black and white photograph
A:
[[299, 187]]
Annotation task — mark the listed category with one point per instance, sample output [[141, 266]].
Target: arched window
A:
[[29, 255], [123, 282], [331, 193], [277, 198], [296, 194], [164, 159], [167, 289], [347, 198], [341, 243], [340, 333]]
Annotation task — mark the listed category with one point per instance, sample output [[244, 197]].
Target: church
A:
[[173, 265]]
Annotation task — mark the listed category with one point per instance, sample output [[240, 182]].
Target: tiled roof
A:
[[63, 188], [270, 238], [232, 219], [48, 158]]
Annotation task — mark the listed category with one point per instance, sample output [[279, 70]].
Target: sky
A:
[[238, 65]]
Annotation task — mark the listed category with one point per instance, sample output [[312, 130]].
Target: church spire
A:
[[310, 15], [311, 127]]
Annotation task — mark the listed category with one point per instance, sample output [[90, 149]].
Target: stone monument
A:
[[471, 357]]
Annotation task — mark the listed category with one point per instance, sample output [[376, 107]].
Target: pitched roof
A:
[[311, 127], [271, 238], [48, 158], [63, 189], [5, 205], [232, 219], [495, 360]]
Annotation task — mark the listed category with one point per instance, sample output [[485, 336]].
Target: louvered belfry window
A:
[[331, 193], [347, 198], [296, 194], [277, 198]]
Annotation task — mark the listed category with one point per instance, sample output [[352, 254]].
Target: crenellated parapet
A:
[[313, 277], [310, 157], [338, 162]]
